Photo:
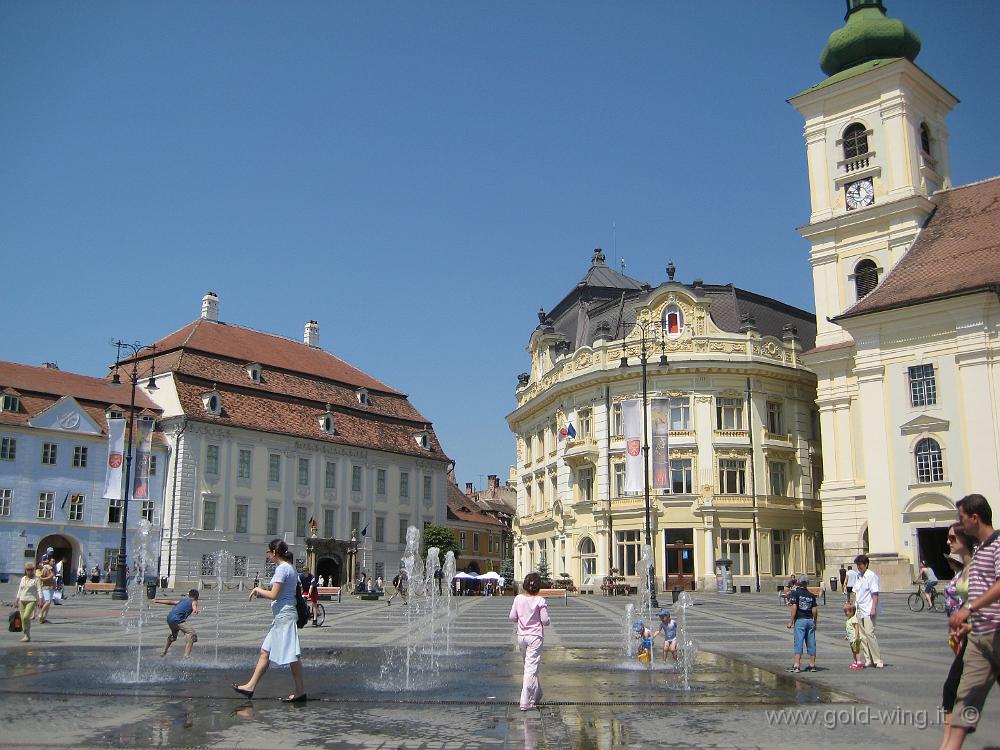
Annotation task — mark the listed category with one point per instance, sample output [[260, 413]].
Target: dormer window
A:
[[424, 440], [9, 402], [673, 321], [212, 402], [253, 371], [362, 396], [114, 412], [327, 423]]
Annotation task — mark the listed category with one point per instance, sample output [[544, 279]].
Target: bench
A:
[[107, 588], [328, 592], [551, 593]]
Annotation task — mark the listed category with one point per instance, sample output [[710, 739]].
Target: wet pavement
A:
[[81, 683]]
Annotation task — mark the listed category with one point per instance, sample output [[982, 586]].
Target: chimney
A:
[[210, 306], [469, 489], [50, 365], [492, 482], [311, 337]]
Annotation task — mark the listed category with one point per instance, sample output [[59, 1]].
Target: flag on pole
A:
[[571, 430], [632, 418], [563, 433], [116, 448], [144, 446], [364, 530]]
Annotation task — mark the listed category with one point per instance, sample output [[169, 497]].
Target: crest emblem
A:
[[632, 446], [115, 460]]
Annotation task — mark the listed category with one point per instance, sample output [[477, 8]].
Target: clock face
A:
[[860, 194]]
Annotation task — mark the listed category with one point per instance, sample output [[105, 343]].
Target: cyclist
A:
[[929, 579]]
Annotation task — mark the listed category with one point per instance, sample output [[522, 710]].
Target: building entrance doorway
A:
[[63, 551], [328, 570], [679, 559], [932, 544]]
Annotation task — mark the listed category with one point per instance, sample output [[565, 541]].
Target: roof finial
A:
[[671, 270], [541, 315], [598, 259]]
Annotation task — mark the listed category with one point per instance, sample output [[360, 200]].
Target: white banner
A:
[[632, 418], [144, 446], [116, 451]]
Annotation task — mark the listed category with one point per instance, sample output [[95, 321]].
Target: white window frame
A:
[[773, 469], [728, 409], [732, 476], [148, 510], [8, 449], [6, 499], [922, 380], [114, 511], [10, 402], [775, 418], [50, 454], [80, 456], [46, 500], [682, 469], [212, 460], [244, 462], [76, 504], [680, 413]]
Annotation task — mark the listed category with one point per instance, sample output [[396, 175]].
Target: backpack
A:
[[395, 582], [301, 608], [14, 622]]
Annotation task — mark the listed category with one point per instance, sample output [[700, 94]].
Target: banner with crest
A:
[[632, 423], [116, 454]]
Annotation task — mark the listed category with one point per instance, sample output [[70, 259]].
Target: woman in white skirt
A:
[[281, 646]]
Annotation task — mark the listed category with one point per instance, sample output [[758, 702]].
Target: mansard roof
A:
[[956, 253]]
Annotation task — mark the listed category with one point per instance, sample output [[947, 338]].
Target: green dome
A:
[[867, 35]]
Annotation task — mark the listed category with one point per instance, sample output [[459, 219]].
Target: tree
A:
[[441, 537], [543, 570]]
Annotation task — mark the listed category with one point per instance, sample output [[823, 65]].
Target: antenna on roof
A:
[[614, 240], [622, 264]]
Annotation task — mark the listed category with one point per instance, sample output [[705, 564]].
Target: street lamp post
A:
[[121, 589], [644, 326]]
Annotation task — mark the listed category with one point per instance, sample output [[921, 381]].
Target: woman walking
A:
[[955, 595], [281, 645], [29, 593], [531, 614]]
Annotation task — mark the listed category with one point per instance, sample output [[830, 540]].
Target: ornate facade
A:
[[743, 447]]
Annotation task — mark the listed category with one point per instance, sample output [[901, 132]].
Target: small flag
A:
[[563, 432], [571, 430], [364, 530]]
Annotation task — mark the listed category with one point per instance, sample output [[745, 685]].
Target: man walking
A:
[[852, 578], [866, 600], [982, 651]]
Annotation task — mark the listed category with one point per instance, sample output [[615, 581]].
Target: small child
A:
[[177, 621], [645, 637], [531, 614], [668, 629], [853, 636]]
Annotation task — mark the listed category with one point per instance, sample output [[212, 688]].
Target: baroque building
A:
[[272, 437], [743, 446], [906, 270], [53, 457]]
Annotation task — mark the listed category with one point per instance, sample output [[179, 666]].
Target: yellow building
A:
[[906, 271], [743, 447]]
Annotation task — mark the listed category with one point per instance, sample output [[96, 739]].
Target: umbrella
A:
[[491, 576], [464, 575]]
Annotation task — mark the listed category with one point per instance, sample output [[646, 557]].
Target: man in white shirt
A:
[[852, 578], [866, 600]]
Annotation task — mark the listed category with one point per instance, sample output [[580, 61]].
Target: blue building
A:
[[53, 458]]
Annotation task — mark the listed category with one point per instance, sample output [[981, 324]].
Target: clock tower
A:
[[877, 149]]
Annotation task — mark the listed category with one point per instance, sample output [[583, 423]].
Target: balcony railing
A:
[[730, 434], [856, 163]]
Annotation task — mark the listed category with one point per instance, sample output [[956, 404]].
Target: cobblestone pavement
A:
[[76, 684]]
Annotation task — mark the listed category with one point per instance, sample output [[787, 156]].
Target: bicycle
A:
[[320, 615], [917, 602]]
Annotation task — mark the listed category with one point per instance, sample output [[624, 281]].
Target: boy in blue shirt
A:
[[177, 621]]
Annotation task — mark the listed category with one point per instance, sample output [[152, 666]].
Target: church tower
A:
[[877, 149]]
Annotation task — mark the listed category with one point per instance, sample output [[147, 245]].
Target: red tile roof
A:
[[462, 508], [247, 345], [956, 253], [45, 380]]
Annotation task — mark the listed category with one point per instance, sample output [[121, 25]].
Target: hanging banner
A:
[[632, 422], [659, 409], [144, 447], [116, 450]]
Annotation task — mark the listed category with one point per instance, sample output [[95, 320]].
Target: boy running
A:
[[177, 621]]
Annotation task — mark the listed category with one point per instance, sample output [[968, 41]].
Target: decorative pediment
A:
[[924, 423], [66, 414]]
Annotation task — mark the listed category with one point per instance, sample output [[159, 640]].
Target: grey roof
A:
[[604, 296]]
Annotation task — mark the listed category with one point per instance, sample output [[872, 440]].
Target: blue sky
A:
[[392, 170]]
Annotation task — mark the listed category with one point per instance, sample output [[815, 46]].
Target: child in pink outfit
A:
[[530, 613]]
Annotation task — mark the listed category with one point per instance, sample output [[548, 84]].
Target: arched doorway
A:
[[64, 549], [329, 568]]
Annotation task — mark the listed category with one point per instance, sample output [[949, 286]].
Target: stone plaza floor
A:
[[83, 682]]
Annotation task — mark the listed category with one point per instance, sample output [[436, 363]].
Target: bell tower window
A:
[[865, 278], [925, 138], [855, 141]]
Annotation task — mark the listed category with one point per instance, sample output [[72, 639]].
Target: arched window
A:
[[929, 465], [855, 140], [865, 278], [925, 138], [588, 561], [587, 547], [673, 321]]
